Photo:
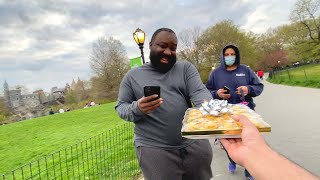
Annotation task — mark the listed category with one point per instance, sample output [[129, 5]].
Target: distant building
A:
[[67, 88], [6, 94], [33, 105], [14, 98], [79, 85], [73, 85], [57, 93]]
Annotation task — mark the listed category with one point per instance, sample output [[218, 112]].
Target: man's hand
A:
[[240, 148], [245, 90], [221, 94], [148, 104]]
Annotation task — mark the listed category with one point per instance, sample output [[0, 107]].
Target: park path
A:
[[294, 114]]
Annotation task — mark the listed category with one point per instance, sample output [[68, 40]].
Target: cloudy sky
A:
[[46, 43]]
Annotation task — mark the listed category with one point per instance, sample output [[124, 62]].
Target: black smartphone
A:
[[227, 90], [151, 90]]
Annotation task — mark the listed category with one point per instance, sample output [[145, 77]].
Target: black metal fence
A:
[[109, 155], [284, 71]]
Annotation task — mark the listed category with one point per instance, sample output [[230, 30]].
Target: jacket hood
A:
[[235, 48]]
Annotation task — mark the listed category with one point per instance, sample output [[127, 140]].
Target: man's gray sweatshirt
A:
[[162, 127]]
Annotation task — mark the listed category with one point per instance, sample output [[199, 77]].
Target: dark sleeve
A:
[[211, 86], [255, 87], [127, 106], [196, 89]]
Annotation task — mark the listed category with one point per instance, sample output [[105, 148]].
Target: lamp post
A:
[[139, 37]]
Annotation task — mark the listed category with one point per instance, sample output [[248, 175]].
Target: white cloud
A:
[[47, 43], [258, 20], [91, 34], [16, 45], [268, 15], [53, 19]]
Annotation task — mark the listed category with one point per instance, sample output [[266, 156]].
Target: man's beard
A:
[[155, 61]]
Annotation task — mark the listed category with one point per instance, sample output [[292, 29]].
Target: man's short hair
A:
[[160, 30]]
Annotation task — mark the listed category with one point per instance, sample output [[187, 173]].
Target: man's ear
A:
[[150, 44]]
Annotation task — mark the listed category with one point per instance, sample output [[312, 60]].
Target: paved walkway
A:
[[294, 114]]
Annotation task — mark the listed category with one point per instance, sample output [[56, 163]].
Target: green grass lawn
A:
[[306, 76], [29, 140]]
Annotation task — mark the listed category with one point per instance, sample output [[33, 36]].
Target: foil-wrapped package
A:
[[214, 120]]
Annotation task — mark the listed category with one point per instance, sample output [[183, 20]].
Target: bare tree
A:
[[189, 46], [307, 12], [109, 63]]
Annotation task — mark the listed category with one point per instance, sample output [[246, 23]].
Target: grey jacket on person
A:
[[162, 127]]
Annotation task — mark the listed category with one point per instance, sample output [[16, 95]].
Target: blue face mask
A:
[[229, 60]]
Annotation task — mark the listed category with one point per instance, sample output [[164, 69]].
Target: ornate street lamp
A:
[[139, 37]]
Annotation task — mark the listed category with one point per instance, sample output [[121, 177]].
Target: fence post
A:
[[289, 75], [280, 73], [270, 74], [305, 74]]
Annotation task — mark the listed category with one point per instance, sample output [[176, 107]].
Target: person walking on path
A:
[[260, 74]]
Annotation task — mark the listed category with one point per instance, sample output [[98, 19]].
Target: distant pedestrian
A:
[[87, 105], [260, 74], [61, 110], [51, 112]]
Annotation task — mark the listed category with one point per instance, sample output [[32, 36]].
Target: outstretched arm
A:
[[259, 159]]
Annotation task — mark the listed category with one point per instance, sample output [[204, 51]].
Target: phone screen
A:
[[226, 88], [151, 90]]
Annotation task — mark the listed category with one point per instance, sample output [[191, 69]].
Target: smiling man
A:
[[161, 151]]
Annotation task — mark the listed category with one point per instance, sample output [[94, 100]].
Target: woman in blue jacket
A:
[[235, 77]]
